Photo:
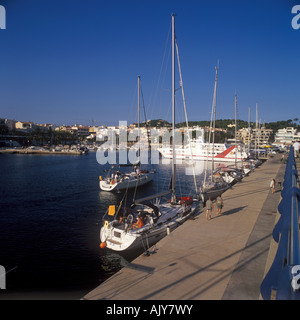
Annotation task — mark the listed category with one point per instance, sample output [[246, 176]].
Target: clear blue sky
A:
[[71, 61]]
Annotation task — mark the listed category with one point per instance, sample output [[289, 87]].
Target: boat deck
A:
[[223, 258]]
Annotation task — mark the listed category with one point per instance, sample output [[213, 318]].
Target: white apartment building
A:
[[286, 136]]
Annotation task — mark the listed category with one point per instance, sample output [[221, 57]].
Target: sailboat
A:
[[231, 173], [151, 218], [117, 180], [215, 185]]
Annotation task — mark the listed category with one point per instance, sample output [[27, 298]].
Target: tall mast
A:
[[256, 134], [235, 100], [249, 129], [173, 111], [212, 130], [214, 119], [139, 81]]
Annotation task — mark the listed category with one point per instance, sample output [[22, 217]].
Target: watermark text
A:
[[296, 18], [122, 146], [2, 17], [2, 277]]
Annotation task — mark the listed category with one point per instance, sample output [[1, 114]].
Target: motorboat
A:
[[199, 149]]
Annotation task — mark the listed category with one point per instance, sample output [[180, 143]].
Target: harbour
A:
[[51, 214], [221, 259], [114, 189]]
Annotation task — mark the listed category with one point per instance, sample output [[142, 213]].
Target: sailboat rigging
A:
[[120, 181], [199, 149], [151, 218], [213, 187]]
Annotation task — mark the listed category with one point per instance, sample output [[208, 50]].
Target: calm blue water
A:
[[50, 216]]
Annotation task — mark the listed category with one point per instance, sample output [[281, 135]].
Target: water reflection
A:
[[51, 215]]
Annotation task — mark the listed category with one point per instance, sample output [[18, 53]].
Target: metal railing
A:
[[282, 282]]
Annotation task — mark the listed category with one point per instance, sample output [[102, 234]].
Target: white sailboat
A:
[[231, 173], [120, 181], [155, 216], [215, 185]]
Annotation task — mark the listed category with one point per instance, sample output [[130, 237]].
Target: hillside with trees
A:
[[223, 124]]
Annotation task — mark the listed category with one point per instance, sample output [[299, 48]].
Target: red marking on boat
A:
[[225, 153]]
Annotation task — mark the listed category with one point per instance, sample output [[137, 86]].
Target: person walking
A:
[[219, 202], [296, 146], [272, 185], [209, 208]]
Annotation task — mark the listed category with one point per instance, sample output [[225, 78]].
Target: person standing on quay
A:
[[272, 185], [209, 207], [219, 205], [296, 146]]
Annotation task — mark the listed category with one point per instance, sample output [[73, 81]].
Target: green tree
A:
[[4, 128]]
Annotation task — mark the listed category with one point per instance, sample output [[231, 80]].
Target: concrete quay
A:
[[225, 258]]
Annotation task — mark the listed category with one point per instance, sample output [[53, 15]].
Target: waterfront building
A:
[[25, 126], [286, 136], [83, 131], [70, 129], [260, 136]]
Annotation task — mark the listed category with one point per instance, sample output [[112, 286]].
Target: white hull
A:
[[203, 152], [119, 239], [131, 181]]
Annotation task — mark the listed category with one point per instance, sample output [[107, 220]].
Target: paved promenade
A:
[[223, 258]]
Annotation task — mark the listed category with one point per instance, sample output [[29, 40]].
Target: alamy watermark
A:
[[2, 277], [295, 272], [121, 146], [296, 18], [2, 17]]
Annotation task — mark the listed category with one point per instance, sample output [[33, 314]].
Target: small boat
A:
[[120, 181], [83, 150], [151, 218], [230, 174], [248, 166]]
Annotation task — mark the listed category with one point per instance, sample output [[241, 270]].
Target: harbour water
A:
[[51, 210]]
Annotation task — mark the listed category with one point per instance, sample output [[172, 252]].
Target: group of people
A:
[[210, 207], [140, 221]]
